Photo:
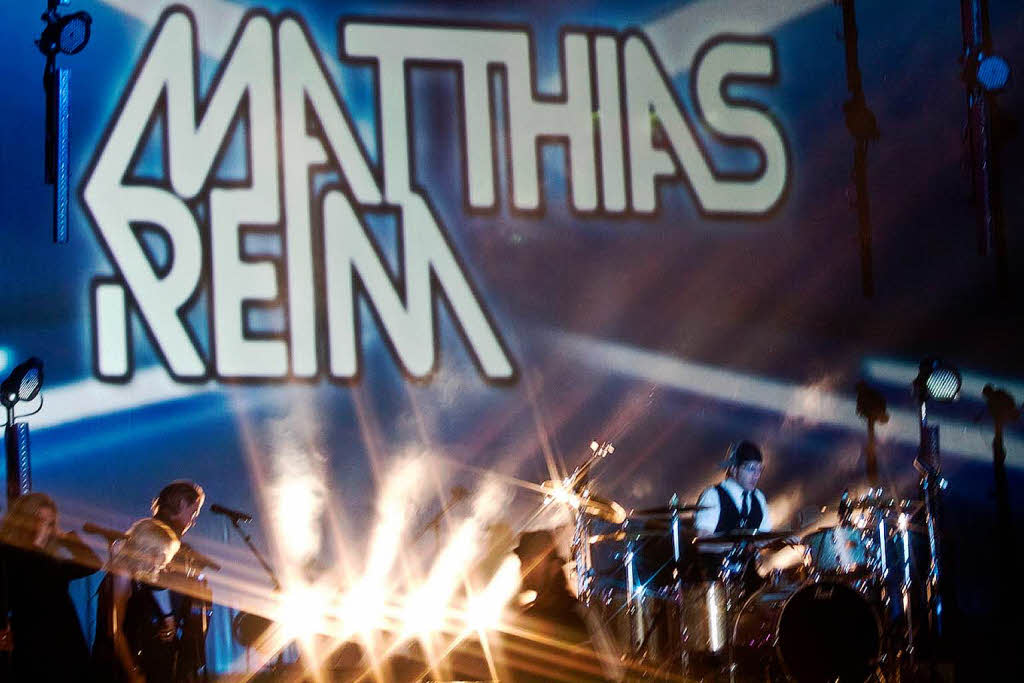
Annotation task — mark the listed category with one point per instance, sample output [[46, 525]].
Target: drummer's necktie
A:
[[745, 512]]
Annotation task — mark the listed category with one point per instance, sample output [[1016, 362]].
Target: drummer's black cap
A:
[[534, 545], [741, 452]]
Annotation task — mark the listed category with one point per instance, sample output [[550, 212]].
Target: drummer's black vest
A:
[[729, 514]]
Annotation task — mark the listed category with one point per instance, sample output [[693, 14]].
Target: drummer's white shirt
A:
[[707, 520]]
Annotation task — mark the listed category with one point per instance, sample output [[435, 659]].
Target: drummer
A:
[[735, 503]]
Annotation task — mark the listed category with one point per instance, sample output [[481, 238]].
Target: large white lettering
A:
[[269, 88]]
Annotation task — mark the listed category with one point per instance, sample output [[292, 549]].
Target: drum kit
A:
[[682, 606]]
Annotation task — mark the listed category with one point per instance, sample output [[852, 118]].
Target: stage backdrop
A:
[[336, 261]]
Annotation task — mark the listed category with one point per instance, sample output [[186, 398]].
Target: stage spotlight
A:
[[993, 73], [75, 30], [23, 384], [937, 381], [67, 34]]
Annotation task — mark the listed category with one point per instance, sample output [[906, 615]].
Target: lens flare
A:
[[426, 609], [485, 609], [302, 611], [297, 502]]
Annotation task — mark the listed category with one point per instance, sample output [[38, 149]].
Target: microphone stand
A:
[[871, 406], [256, 553], [246, 622], [458, 494]]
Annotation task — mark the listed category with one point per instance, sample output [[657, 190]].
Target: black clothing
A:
[[548, 642], [143, 620], [729, 517], [192, 604], [557, 644], [47, 636]]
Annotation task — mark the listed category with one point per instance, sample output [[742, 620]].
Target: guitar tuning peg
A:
[[593, 446]]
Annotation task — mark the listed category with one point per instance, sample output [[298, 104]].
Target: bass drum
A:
[[810, 633]]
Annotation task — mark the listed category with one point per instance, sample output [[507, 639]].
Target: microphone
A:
[[235, 515]]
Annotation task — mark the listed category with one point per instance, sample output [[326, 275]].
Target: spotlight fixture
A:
[[937, 381], [23, 384], [993, 73], [66, 34]]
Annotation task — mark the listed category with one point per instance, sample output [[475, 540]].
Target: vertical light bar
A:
[[19, 465], [881, 546], [715, 631], [60, 188]]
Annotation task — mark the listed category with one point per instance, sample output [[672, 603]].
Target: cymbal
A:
[[605, 509], [668, 510], [590, 504], [743, 536]]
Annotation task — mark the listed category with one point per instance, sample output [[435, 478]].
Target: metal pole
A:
[[928, 461], [863, 126], [976, 43], [871, 455], [257, 554]]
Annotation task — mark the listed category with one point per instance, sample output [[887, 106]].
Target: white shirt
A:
[[707, 520]]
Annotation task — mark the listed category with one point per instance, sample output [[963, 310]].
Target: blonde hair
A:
[[146, 549], [19, 525]]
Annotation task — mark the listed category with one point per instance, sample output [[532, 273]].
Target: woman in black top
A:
[[38, 562], [134, 637]]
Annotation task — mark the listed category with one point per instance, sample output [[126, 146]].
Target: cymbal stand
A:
[[906, 585], [932, 484], [581, 536]]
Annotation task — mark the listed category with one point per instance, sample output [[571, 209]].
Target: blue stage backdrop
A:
[[334, 260]]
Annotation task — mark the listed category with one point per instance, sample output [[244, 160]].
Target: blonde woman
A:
[[134, 638], [36, 564]]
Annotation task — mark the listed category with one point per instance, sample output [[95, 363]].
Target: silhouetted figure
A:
[[44, 636]]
